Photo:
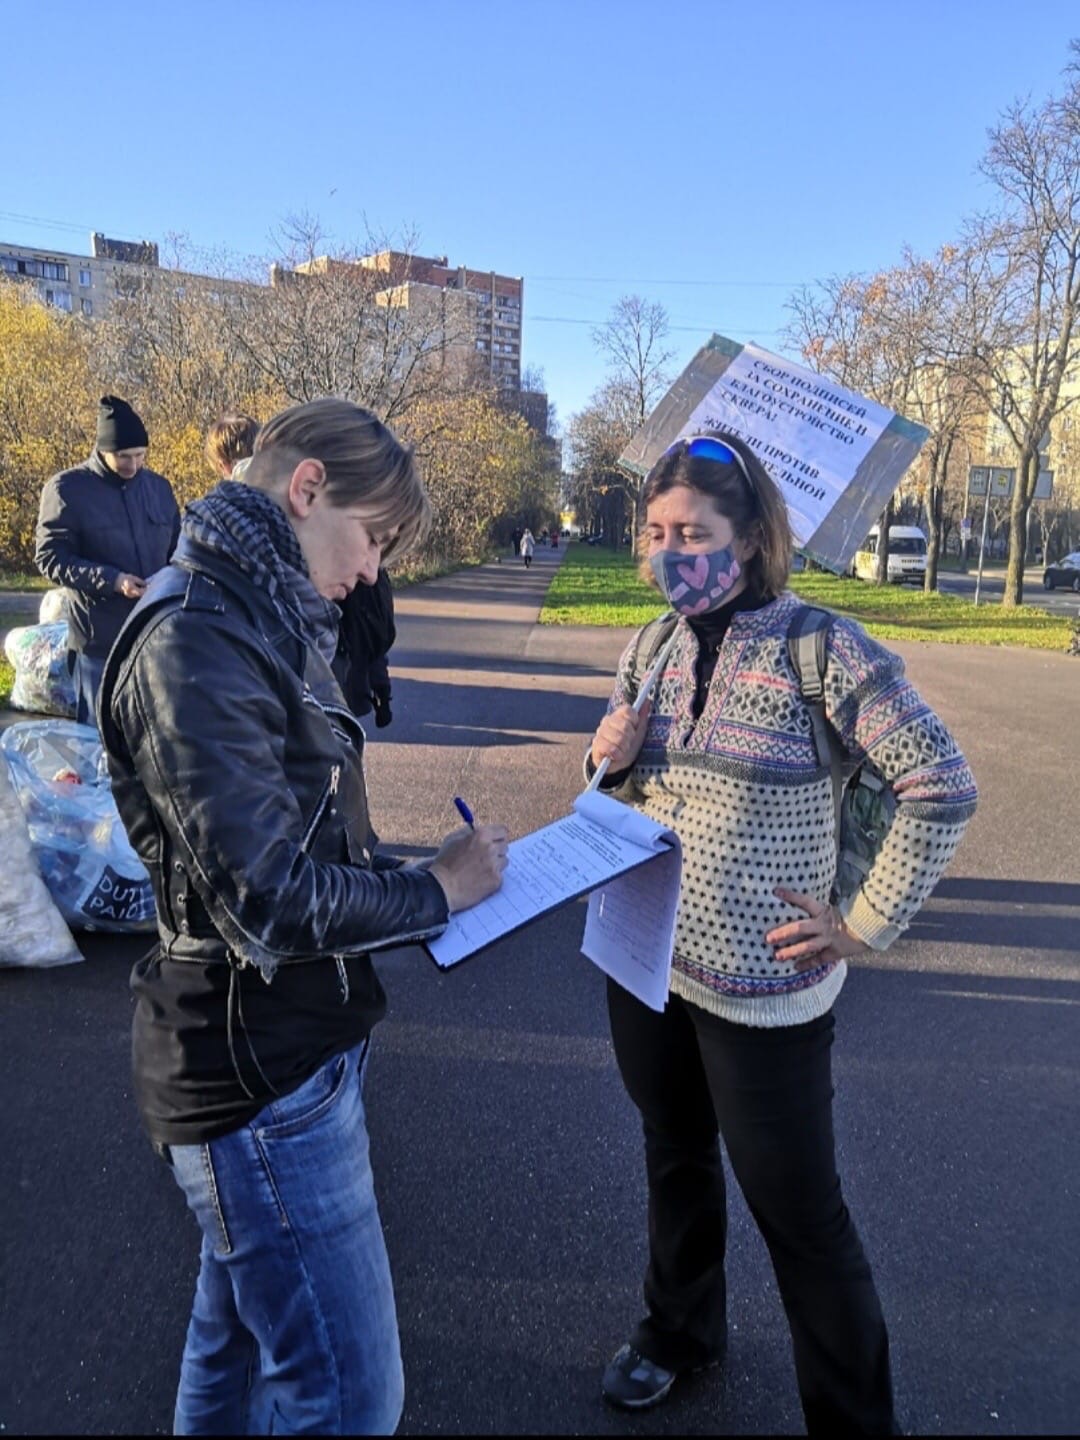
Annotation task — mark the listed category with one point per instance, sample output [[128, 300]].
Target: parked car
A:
[[1065, 573], [907, 555]]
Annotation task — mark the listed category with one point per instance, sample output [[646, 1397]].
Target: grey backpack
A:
[[864, 802]]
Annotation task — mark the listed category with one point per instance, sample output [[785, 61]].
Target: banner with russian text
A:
[[837, 456]]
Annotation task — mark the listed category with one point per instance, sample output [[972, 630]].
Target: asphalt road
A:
[[507, 1156], [1058, 601]]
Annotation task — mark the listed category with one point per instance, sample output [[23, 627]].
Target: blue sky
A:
[[711, 156]]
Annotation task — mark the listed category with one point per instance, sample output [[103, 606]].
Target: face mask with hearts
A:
[[695, 584]]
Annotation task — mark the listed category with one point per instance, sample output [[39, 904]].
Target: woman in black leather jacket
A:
[[236, 766]]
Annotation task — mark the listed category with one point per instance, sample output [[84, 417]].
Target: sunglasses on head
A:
[[707, 447]]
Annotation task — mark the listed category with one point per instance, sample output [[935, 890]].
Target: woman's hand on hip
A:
[[620, 735], [820, 939]]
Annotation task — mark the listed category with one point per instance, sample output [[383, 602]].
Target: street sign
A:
[[965, 527], [1001, 481]]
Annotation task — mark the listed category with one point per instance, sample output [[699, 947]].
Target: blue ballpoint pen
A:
[[464, 811]]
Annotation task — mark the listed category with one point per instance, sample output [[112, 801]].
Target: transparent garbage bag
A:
[[61, 777], [32, 930], [43, 683]]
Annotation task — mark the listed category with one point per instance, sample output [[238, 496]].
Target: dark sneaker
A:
[[633, 1382]]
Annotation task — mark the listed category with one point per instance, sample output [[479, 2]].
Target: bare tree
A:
[[166, 338], [632, 341], [840, 327], [928, 323], [596, 437], [334, 322], [1034, 162]]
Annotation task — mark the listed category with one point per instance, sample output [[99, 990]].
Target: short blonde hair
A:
[[230, 439], [365, 464]]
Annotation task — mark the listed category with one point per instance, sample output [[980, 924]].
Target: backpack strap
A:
[[808, 649], [650, 641]]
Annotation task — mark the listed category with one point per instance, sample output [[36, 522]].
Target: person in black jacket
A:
[[237, 769], [103, 529], [365, 639]]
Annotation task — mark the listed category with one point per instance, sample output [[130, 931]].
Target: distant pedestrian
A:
[[103, 529], [230, 444], [527, 546], [515, 540]]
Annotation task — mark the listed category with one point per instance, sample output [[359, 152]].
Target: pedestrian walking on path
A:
[[528, 545], [726, 755], [238, 771]]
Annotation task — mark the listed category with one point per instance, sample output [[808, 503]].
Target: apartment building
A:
[[77, 284], [480, 311], [495, 304]]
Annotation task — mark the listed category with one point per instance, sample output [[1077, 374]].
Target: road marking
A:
[[1022, 999]]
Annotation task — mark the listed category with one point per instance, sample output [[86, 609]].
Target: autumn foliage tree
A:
[[47, 408], [484, 469], [185, 345]]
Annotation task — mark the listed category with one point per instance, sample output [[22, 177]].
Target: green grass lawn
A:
[[593, 586], [23, 580]]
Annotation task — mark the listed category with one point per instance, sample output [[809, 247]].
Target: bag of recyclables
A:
[[60, 775], [43, 683], [54, 606], [32, 930]]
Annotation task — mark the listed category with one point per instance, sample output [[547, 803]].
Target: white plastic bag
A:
[[32, 930], [82, 850], [53, 607], [43, 683]]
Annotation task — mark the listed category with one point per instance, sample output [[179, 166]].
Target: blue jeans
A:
[[293, 1329], [86, 673]]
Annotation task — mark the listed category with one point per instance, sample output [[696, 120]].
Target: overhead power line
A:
[[614, 280], [39, 220], [599, 324]]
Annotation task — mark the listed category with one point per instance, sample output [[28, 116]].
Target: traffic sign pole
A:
[[982, 543]]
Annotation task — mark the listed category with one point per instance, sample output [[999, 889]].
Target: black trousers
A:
[[768, 1092]]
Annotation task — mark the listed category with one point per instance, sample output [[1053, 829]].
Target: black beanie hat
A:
[[118, 427]]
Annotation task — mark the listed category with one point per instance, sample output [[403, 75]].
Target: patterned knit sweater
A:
[[743, 789]]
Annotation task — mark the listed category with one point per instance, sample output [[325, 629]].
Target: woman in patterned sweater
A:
[[725, 755]]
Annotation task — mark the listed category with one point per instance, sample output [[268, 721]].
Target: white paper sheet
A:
[[630, 927]]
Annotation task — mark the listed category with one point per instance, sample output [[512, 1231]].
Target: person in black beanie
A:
[[103, 529], [365, 637]]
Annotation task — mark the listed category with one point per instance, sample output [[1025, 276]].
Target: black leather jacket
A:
[[238, 772]]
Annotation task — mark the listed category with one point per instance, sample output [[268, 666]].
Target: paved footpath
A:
[[507, 1156]]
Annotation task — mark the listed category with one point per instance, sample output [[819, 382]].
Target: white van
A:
[[907, 555]]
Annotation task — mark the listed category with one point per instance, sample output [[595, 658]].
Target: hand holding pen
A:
[[470, 863]]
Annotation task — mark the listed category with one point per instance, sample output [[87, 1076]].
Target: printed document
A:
[[629, 866]]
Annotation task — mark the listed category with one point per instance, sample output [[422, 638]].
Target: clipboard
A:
[[629, 866]]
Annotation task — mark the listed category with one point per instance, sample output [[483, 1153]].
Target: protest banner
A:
[[837, 456]]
